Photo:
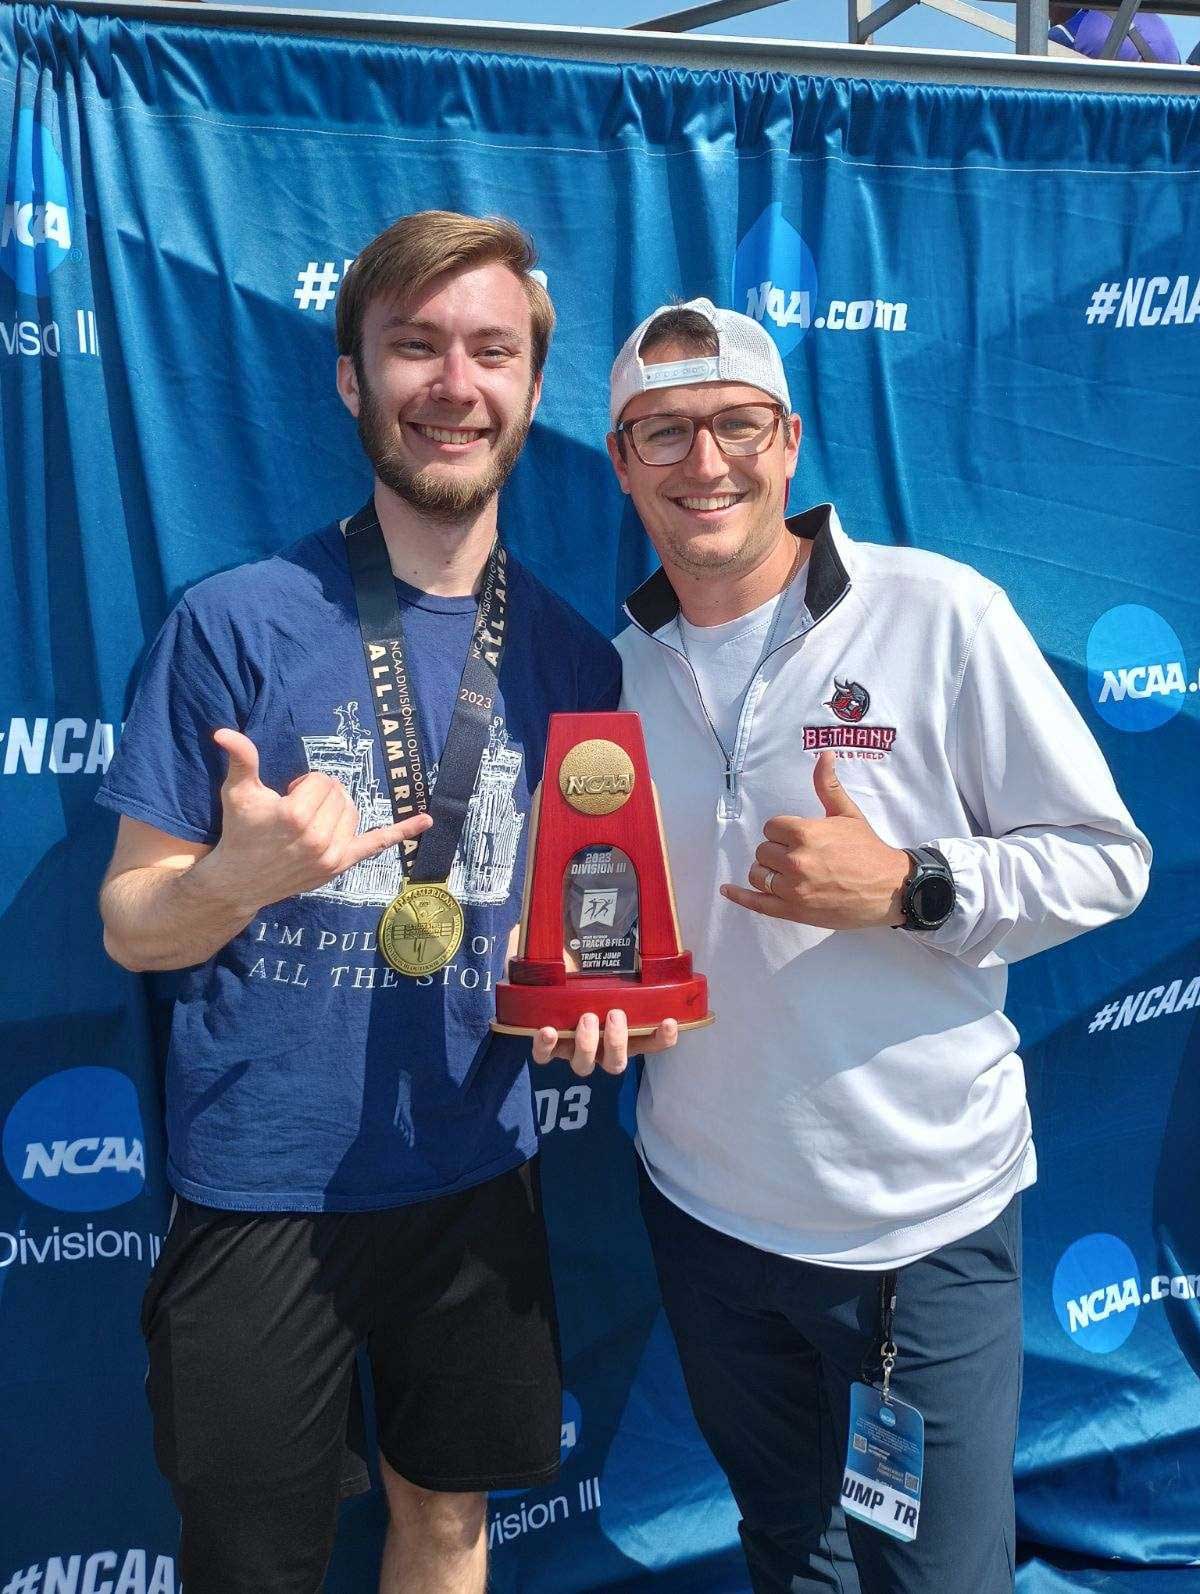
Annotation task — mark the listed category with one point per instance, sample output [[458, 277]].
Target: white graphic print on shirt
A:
[[487, 851]]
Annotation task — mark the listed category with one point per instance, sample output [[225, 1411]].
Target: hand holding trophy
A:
[[598, 896]]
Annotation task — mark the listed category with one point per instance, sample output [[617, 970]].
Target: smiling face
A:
[[443, 390], [708, 516]]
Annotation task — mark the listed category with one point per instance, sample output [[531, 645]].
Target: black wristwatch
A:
[[928, 895]]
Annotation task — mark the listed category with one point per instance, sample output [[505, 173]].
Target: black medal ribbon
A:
[[431, 856]]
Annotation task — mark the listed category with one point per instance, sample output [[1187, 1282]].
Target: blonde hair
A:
[[409, 254]]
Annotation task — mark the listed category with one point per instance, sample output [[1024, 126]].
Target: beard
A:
[[445, 493]]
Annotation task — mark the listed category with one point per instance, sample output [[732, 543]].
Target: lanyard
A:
[[431, 856], [887, 1322], [768, 647]]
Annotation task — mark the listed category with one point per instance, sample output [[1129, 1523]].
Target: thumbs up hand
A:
[[274, 846], [834, 872]]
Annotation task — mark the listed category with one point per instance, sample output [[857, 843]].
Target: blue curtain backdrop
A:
[[989, 304]]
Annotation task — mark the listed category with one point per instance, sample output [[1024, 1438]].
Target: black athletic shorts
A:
[[252, 1320]]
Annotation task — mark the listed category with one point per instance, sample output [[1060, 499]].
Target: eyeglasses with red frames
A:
[[738, 431]]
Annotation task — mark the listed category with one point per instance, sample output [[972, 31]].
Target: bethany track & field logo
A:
[[849, 702]]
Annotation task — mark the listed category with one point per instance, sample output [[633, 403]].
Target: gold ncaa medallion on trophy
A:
[[598, 887]]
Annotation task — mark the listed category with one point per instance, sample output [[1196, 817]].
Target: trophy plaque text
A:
[[598, 892]]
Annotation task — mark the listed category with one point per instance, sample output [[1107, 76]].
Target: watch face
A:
[[933, 899]]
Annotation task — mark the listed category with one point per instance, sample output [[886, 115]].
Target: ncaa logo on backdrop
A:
[[572, 1426], [1137, 673], [35, 234], [775, 282], [1097, 1293], [105, 1572], [74, 1141], [775, 278]]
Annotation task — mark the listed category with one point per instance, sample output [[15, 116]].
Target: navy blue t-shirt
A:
[[304, 1074]]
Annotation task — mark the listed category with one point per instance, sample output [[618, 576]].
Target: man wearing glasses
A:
[[877, 797]]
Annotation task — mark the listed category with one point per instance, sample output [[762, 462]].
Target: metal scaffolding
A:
[[666, 42], [1028, 34]]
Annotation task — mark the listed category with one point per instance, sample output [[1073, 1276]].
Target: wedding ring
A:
[[770, 885]]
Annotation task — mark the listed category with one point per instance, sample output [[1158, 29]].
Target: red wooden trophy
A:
[[597, 882]]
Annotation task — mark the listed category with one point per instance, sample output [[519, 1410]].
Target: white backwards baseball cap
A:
[[746, 352]]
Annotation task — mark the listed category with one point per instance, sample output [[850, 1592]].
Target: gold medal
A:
[[421, 929]]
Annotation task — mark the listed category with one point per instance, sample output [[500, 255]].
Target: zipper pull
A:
[[731, 801]]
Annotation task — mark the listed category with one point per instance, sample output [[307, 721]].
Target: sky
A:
[[821, 20]]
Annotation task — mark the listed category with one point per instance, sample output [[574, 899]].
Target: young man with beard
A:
[[351, 1148], [883, 797]]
